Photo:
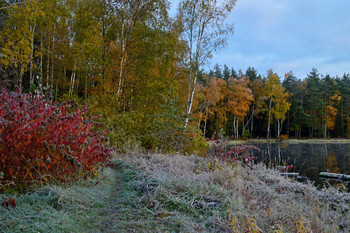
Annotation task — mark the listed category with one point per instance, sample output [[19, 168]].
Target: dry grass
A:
[[192, 194], [175, 193]]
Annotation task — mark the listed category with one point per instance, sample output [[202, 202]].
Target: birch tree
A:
[[17, 38], [270, 86], [281, 106], [205, 31], [276, 98], [240, 98], [130, 15]]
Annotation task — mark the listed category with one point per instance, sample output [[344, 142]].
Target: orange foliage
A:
[[239, 97], [331, 111]]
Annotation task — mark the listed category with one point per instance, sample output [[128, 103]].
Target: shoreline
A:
[[288, 141]]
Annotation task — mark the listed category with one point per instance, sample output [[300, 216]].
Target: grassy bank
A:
[[175, 193], [192, 194]]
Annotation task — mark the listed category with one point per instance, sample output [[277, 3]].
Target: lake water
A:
[[307, 159]]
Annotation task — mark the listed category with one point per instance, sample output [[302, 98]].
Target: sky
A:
[[288, 35]]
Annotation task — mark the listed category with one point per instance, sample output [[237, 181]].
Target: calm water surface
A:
[[308, 159]]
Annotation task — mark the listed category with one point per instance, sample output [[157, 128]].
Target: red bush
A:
[[40, 140], [224, 152]]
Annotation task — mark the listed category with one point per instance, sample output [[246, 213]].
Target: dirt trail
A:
[[108, 214]]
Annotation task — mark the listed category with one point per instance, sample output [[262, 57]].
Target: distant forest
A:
[[317, 106], [142, 70]]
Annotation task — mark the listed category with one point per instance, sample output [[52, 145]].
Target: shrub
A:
[[246, 134], [283, 137], [195, 143], [168, 135], [40, 140], [222, 151]]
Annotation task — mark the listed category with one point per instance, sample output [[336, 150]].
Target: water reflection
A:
[[308, 159], [331, 163]]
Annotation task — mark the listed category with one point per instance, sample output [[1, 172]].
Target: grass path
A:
[[87, 206], [109, 212]]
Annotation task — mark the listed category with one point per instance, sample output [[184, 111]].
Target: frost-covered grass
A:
[[175, 193], [192, 194], [59, 208]]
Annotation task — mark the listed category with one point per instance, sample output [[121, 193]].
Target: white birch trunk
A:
[[31, 77], [269, 121], [121, 64]]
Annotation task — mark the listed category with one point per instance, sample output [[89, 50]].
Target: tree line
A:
[[128, 60], [266, 106]]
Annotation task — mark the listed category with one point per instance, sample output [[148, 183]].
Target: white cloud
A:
[[289, 35]]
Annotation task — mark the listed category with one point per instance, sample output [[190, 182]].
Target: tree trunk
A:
[[192, 88], [72, 82], [234, 126], [57, 79], [279, 128], [31, 77], [342, 120], [52, 68], [40, 81], [269, 121], [252, 122], [121, 69], [205, 122], [48, 62], [86, 85], [20, 81]]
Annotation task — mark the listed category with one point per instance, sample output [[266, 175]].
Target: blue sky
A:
[[289, 35]]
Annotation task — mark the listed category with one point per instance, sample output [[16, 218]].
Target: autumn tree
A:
[[331, 98], [281, 106], [239, 98], [213, 94], [257, 86], [205, 32], [132, 18], [277, 102], [17, 38], [271, 82], [87, 46], [331, 113]]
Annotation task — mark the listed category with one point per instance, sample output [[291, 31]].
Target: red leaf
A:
[[12, 202], [18, 89], [5, 204]]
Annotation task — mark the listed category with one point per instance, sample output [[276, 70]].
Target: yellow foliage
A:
[[283, 137], [303, 227], [331, 111]]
